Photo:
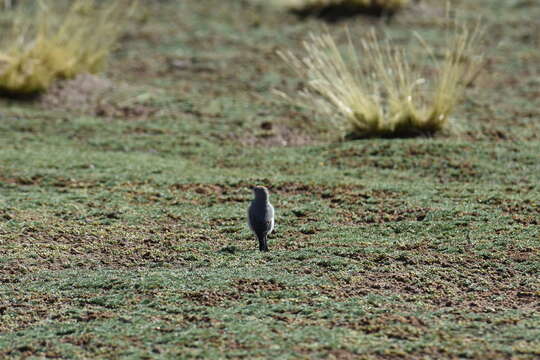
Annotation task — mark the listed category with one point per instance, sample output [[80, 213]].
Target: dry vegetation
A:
[[376, 91], [53, 43]]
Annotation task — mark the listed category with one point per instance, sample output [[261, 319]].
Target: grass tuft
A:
[[378, 93], [53, 44]]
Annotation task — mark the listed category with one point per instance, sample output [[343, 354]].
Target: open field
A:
[[122, 217]]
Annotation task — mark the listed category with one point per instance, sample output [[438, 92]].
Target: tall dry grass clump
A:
[[56, 43], [377, 90]]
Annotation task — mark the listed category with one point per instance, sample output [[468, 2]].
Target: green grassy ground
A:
[[125, 236]]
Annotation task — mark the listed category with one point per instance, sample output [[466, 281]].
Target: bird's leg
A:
[[263, 245]]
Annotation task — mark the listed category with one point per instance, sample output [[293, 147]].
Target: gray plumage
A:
[[261, 216]]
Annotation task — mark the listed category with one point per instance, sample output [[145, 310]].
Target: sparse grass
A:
[[124, 237], [377, 91], [53, 43]]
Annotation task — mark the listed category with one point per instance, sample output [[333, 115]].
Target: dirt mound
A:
[[81, 93], [93, 95]]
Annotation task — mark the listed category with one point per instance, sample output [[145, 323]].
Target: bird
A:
[[261, 216]]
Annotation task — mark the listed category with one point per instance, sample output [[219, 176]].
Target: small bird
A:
[[261, 216]]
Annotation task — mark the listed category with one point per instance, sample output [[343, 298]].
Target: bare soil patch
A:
[[92, 95], [276, 135]]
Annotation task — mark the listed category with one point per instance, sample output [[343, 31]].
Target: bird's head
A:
[[260, 192]]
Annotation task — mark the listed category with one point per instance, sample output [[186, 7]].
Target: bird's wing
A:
[[271, 212], [261, 227], [251, 218]]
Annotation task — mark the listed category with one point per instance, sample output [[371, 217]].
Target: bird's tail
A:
[[263, 243]]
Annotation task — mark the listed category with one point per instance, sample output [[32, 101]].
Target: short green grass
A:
[[125, 237]]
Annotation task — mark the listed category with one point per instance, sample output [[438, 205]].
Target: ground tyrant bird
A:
[[261, 216]]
